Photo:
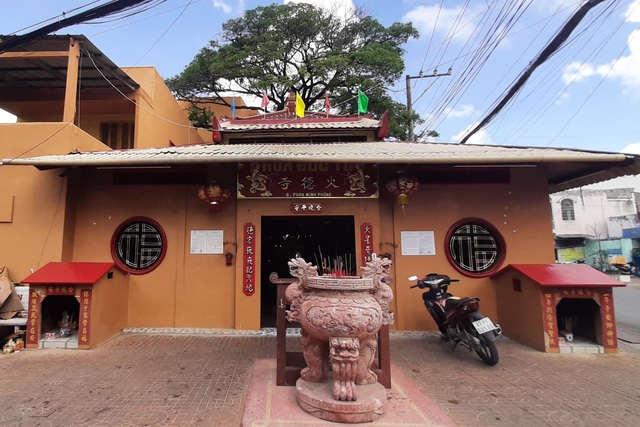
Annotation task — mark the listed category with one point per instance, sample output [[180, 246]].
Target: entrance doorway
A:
[[317, 239]]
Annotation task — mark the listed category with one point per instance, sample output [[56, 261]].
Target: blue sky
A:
[[585, 96]]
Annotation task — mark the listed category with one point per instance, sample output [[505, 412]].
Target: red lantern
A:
[[401, 185], [214, 194]]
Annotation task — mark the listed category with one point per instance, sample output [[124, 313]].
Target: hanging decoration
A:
[[214, 194], [401, 185]]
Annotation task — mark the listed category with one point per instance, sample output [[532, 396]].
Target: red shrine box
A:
[[541, 304], [75, 304]]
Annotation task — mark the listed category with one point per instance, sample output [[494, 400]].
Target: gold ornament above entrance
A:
[[307, 180]]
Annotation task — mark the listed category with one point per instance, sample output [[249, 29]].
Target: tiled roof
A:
[[306, 123], [365, 152], [587, 167]]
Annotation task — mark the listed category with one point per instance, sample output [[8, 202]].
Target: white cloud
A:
[[443, 20], [343, 8], [633, 12], [562, 98], [631, 149], [625, 69], [480, 137], [577, 71], [6, 117], [222, 5], [462, 111]]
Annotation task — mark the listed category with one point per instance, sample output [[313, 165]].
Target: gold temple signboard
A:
[[307, 180]]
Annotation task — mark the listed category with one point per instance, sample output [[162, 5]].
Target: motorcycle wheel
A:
[[488, 351]]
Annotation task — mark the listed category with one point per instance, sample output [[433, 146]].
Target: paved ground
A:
[[201, 380]]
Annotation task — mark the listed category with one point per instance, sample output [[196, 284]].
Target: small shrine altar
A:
[[547, 306], [75, 304]]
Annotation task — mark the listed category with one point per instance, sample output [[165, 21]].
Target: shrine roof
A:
[[563, 275], [283, 120], [69, 273]]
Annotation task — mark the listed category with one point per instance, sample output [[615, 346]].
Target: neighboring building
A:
[[589, 224], [199, 226]]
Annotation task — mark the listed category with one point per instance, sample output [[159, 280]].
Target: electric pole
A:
[[421, 75]]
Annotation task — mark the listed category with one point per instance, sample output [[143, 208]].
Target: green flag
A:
[[363, 102]]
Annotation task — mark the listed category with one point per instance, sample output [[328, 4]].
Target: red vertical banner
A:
[[84, 321], [609, 332], [33, 322], [248, 282], [550, 322], [366, 242]]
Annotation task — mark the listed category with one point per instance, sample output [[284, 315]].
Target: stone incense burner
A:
[[340, 318]]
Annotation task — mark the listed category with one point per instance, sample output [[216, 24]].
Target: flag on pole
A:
[[363, 102], [327, 106], [233, 107], [265, 101], [300, 107]]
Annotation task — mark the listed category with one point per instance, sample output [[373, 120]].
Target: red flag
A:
[[326, 103], [216, 136], [265, 101]]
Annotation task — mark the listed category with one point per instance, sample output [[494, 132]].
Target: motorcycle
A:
[[459, 319]]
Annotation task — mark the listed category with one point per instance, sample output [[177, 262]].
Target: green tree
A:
[[273, 48]]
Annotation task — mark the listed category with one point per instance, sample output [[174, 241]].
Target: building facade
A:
[[199, 225]]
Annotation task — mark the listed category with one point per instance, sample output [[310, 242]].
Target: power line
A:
[[107, 9], [549, 50]]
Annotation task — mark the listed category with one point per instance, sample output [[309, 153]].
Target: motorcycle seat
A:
[[453, 302]]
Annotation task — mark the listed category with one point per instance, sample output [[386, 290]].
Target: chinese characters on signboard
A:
[[366, 242], [61, 290], [609, 333], [249, 259], [550, 322], [307, 208], [33, 324], [84, 322], [300, 180]]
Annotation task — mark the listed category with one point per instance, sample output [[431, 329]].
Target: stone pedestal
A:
[[317, 399]]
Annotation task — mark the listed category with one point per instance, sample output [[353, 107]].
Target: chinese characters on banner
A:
[[609, 333], [366, 242], [249, 259], [310, 180], [84, 322], [33, 324], [307, 208], [61, 290], [550, 322]]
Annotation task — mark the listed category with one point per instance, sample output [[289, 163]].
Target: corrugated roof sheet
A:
[[365, 152], [566, 168]]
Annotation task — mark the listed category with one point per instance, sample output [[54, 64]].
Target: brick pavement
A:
[[201, 379]]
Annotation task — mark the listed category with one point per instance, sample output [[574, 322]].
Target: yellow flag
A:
[[300, 107]]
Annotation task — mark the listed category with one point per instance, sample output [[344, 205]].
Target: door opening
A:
[[314, 238]]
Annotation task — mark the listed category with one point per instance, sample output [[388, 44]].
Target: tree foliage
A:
[[273, 48]]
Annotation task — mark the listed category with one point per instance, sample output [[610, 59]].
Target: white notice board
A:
[[417, 243], [206, 242]]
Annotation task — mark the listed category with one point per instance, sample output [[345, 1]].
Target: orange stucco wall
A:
[[33, 202], [520, 212], [159, 118], [521, 311], [110, 300], [189, 290]]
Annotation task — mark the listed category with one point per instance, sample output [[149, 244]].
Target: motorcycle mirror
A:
[[413, 278]]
